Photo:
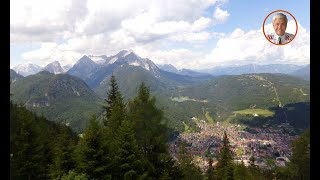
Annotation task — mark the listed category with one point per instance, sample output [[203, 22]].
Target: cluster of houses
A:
[[263, 144]]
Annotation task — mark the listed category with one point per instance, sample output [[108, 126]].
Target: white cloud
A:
[[95, 16], [105, 27], [242, 47], [180, 58], [187, 10], [49, 52], [68, 29], [192, 37], [44, 21], [145, 28], [220, 15], [201, 24]]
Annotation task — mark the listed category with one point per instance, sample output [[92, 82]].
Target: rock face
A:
[[54, 68]]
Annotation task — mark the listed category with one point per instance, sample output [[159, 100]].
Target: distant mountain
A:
[[54, 68], [131, 58], [188, 72], [94, 74], [14, 76], [128, 78], [303, 73], [61, 98], [98, 59], [168, 67], [83, 68], [132, 69], [67, 67], [252, 68], [27, 69], [192, 73], [114, 58]]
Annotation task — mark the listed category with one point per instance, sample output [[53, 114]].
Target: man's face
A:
[[280, 26]]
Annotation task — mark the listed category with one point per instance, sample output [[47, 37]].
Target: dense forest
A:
[[128, 142]]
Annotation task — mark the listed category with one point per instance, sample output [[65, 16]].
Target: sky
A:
[[193, 34]]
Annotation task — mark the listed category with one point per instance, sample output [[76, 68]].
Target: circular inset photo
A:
[[280, 27]]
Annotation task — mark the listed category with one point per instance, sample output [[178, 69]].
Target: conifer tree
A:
[[188, 168], [72, 175], [112, 95], [147, 121], [63, 151], [224, 168], [115, 108], [118, 114], [254, 170], [127, 157], [240, 172], [299, 166], [150, 131], [26, 149], [91, 152]]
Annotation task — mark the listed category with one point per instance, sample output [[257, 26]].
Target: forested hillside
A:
[[61, 98]]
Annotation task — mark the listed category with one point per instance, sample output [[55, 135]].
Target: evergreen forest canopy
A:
[[128, 142]]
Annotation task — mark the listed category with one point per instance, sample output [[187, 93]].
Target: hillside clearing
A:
[[255, 112]]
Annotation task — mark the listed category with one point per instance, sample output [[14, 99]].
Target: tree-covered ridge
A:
[[14, 76], [242, 91], [222, 96], [60, 98]]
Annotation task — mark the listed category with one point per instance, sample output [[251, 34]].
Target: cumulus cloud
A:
[[242, 47], [104, 27], [95, 16], [44, 21], [68, 29], [145, 28], [49, 52], [192, 37], [220, 15]]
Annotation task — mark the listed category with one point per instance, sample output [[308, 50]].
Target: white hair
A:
[[279, 16]]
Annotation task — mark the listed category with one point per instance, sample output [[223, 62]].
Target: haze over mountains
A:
[[30, 69], [93, 61], [77, 93]]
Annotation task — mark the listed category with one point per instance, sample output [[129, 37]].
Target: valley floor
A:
[[264, 144]]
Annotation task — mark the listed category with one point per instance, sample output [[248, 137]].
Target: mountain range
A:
[[93, 61], [189, 72], [30, 69], [253, 68], [303, 73], [78, 93]]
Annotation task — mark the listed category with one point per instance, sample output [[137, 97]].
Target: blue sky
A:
[[249, 14], [185, 33]]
